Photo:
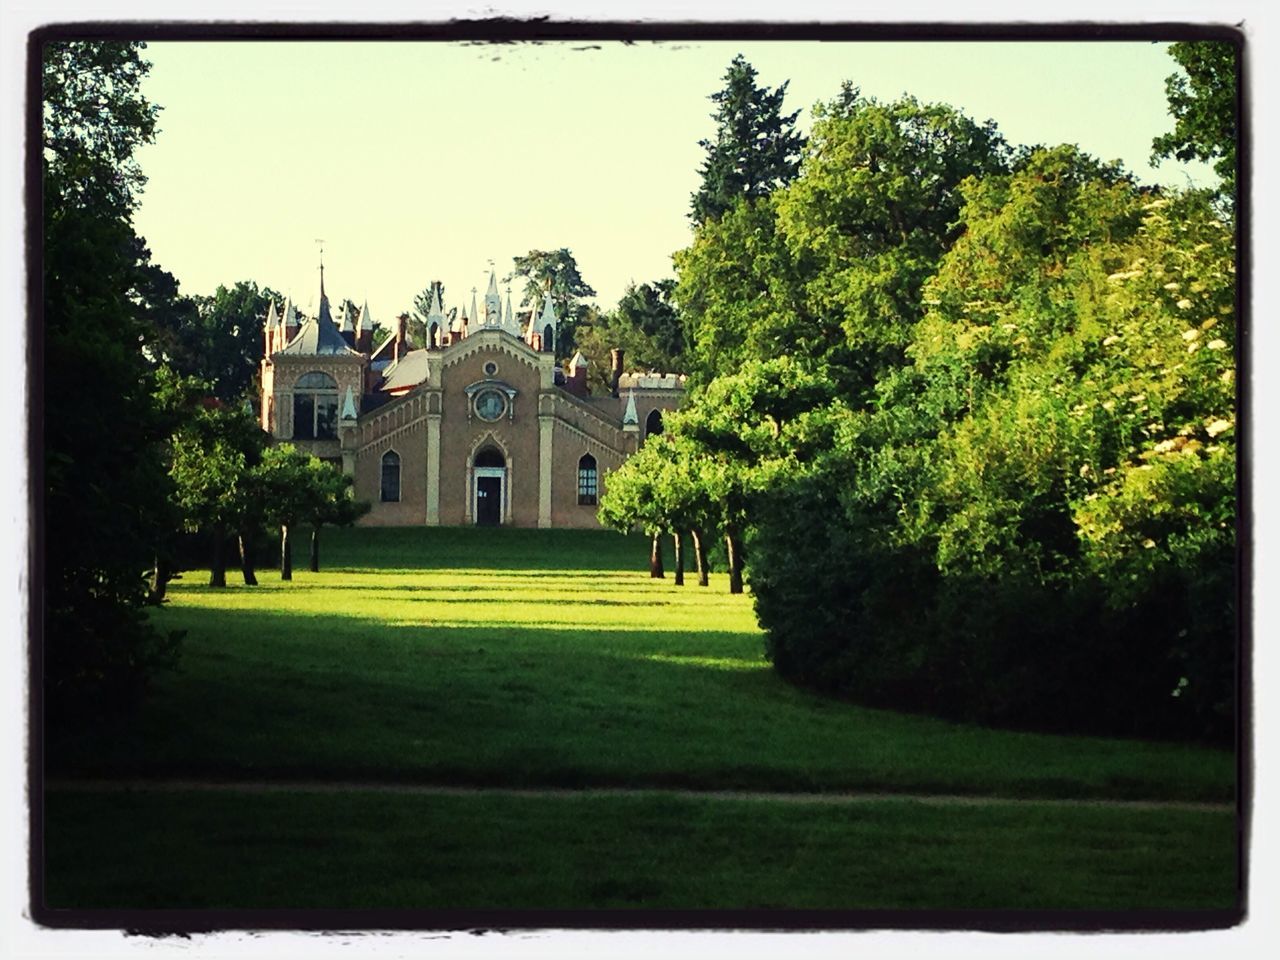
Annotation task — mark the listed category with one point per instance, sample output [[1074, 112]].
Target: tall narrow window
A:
[[548, 339], [390, 477], [315, 407], [653, 423], [587, 480]]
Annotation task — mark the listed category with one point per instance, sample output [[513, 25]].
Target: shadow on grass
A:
[[273, 694]]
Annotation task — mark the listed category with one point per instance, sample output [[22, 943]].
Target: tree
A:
[[877, 206], [1202, 101], [631, 500], [554, 273], [332, 504], [213, 460], [297, 487], [646, 326], [755, 150], [1060, 445], [103, 435], [218, 339]]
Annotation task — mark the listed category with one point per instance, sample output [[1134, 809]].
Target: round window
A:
[[490, 369], [490, 405]]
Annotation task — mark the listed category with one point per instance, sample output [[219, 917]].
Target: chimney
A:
[[576, 382], [615, 370], [402, 335]]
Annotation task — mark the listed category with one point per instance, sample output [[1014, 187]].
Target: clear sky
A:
[[417, 161]]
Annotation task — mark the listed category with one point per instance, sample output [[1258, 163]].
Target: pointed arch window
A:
[[390, 477], [548, 339], [653, 423], [315, 407], [588, 480]]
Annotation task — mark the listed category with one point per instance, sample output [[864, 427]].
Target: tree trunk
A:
[[734, 545], [246, 558], [677, 540], [315, 549], [699, 556], [159, 578], [655, 557], [286, 553], [218, 569]]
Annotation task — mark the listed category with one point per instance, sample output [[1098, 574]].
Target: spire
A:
[[492, 302], [631, 418], [349, 406], [511, 323], [471, 317], [273, 321], [348, 321], [436, 309]]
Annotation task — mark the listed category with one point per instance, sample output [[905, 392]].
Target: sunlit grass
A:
[[551, 658]]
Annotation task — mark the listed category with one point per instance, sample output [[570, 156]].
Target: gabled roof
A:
[[409, 371]]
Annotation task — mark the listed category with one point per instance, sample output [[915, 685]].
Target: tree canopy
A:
[[554, 273], [1204, 107], [755, 149]]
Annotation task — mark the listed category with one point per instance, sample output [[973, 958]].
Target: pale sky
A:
[[417, 161]]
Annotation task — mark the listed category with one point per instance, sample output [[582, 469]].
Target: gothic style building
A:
[[479, 425]]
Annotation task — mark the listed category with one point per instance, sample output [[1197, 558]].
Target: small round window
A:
[[490, 405], [490, 369]]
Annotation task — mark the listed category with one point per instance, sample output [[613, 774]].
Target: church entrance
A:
[[490, 492]]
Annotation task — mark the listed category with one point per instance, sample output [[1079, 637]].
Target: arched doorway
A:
[[490, 470], [653, 423]]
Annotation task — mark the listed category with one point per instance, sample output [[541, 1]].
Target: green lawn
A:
[[549, 658]]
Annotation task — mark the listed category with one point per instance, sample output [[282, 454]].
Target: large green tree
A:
[[755, 149], [218, 339], [554, 272], [102, 441], [1205, 110]]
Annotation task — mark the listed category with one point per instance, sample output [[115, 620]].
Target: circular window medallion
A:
[[490, 405], [490, 369]]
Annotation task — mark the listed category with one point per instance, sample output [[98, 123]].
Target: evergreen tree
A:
[[756, 148], [554, 272]]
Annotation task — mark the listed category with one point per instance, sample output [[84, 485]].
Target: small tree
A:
[[288, 482], [631, 500], [333, 505], [212, 456]]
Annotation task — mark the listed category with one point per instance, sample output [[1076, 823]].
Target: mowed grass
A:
[[518, 659], [550, 658], [191, 850]]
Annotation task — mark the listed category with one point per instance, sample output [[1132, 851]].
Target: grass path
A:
[[766, 796]]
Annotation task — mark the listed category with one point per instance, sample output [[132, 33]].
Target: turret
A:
[[437, 326], [272, 329], [549, 325], [630, 419], [348, 325], [364, 330], [289, 323]]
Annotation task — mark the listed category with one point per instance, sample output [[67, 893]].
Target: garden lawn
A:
[[525, 659], [550, 658]]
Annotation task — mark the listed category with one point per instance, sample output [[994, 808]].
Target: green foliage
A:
[[218, 339], [831, 267], [103, 477], [214, 456], [554, 272], [1062, 448], [646, 326], [755, 150], [1202, 101]]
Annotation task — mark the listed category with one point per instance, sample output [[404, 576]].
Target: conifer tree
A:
[[756, 148]]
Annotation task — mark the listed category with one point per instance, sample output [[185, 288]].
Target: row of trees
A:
[[968, 412]]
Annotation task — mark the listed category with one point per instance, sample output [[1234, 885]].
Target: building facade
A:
[[479, 425]]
